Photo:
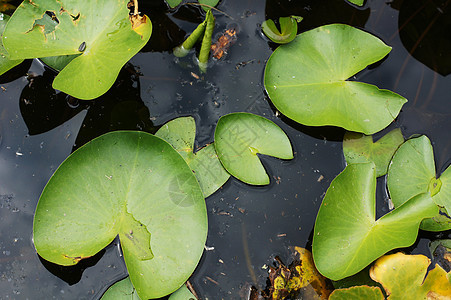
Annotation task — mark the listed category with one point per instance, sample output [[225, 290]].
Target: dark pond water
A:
[[248, 226]]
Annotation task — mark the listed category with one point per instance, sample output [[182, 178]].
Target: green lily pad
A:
[[173, 3], [101, 31], [5, 62], [306, 80], [121, 290], [362, 292], [239, 137], [182, 294], [412, 171], [347, 236], [132, 184], [357, 2], [287, 33], [210, 173], [210, 3], [358, 148]]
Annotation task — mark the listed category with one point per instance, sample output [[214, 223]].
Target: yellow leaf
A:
[[403, 277]]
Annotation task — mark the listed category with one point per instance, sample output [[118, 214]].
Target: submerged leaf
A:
[[358, 148], [207, 168], [306, 80], [412, 171], [403, 277], [101, 31], [346, 228], [239, 137], [132, 184]]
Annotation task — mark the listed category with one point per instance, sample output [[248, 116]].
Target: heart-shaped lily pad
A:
[[412, 171], [358, 148], [306, 80], [210, 173], [239, 137], [5, 63], [347, 236], [132, 184], [101, 31]]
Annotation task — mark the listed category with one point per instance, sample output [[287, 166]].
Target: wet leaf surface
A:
[[207, 168], [132, 184], [101, 31], [359, 148], [412, 172], [403, 277], [239, 137], [346, 228], [306, 80]]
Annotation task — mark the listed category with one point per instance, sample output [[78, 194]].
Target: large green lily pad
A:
[[358, 148], [306, 80], [101, 31], [130, 184], [239, 137], [210, 173], [412, 171], [5, 62], [347, 236]]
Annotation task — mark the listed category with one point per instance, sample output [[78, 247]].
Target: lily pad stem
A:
[[206, 42]]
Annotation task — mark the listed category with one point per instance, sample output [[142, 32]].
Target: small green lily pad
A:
[[101, 31], [347, 236], [210, 173], [287, 33], [173, 3], [210, 3], [306, 80], [412, 172], [6, 63], [357, 2], [239, 137], [130, 184], [121, 290], [362, 292], [182, 294], [358, 148]]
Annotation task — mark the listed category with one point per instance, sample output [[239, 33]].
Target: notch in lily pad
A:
[[307, 80], [130, 184], [288, 29], [104, 40], [359, 148], [346, 228], [207, 168], [412, 172], [239, 137]]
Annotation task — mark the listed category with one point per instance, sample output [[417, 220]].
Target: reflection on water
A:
[[248, 226]]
